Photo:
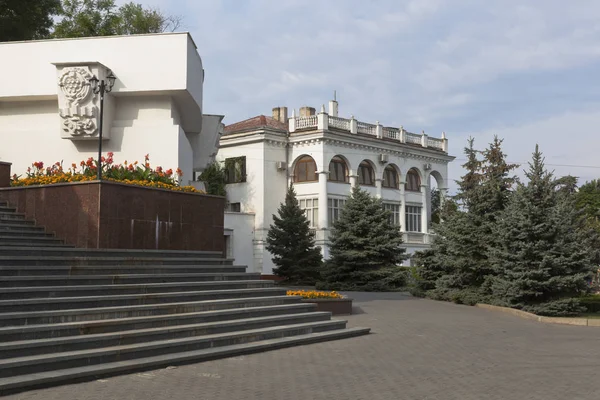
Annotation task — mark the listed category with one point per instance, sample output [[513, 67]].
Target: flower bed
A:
[[314, 294], [332, 302], [130, 174]]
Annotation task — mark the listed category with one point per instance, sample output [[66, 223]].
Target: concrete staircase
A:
[[69, 314]]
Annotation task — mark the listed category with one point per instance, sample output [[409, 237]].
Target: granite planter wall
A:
[[4, 174], [113, 215], [334, 306]]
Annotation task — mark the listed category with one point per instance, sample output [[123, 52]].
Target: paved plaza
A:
[[419, 350]]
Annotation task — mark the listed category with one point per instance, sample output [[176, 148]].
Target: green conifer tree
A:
[[292, 243], [541, 260], [365, 247]]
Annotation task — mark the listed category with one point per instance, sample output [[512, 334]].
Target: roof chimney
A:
[[280, 114], [307, 111]]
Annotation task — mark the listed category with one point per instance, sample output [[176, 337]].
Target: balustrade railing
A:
[[324, 121], [435, 143], [339, 123], [365, 128], [391, 133], [306, 122], [412, 138]]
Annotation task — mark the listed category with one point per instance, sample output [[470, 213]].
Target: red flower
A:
[[169, 172], [179, 172]]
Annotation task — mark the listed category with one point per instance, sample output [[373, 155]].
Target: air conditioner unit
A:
[[383, 158], [280, 165], [427, 167]]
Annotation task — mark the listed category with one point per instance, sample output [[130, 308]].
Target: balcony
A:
[[323, 121]]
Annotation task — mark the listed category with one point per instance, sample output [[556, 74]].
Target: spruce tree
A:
[[541, 261], [292, 243], [365, 247]]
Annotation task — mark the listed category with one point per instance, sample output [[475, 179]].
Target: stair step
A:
[[23, 233], [115, 269], [56, 330], [70, 359], [18, 259], [4, 226], [51, 292], [135, 336], [7, 209], [38, 241], [75, 280], [11, 215], [15, 219], [106, 313], [65, 303], [47, 378], [119, 253]]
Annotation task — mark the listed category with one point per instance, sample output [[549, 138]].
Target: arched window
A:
[[413, 182], [306, 170], [390, 177], [338, 171], [366, 176]]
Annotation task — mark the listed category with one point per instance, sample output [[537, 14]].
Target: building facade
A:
[[49, 112], [323, 156]]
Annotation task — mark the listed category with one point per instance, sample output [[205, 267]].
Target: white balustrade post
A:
[[292, 122], [423, 139], [402, 135], [379, 130], [378, 186], [424, 210], [323, 211], [444, 142], [323, 119], [353, 125]]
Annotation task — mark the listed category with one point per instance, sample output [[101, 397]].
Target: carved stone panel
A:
[[78, 105]]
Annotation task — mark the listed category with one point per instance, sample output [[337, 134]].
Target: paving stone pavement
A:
[[419, 350]]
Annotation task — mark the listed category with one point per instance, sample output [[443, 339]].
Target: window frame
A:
[[305, 160], [334, 208], [311, 211], [412, 179], [395, 210], [231, 168], [361, 167], [336, 162], [396, 178], [413, 218]]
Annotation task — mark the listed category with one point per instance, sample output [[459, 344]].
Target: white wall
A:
[[157, 99], [241, 238]]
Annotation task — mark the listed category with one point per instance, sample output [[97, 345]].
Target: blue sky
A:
[[527, 71]]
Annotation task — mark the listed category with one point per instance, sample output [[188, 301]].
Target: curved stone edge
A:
[[547, 320]]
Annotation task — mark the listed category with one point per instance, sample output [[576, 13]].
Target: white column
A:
[[353, 180], [402, 207], [378, 185], [353, 125], [323, 211], [379, 130], [424, 210]]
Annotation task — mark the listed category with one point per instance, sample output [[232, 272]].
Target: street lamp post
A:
[[101, 86]]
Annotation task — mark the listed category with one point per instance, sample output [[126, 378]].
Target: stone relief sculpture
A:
[[78, 112]]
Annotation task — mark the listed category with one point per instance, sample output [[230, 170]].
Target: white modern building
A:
[[49, 112], [323, 156]]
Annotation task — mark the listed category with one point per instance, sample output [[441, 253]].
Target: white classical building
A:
[[49, 113], [323, 156]]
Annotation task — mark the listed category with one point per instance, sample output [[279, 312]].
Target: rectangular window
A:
[[234, 207], [235, 169], [311, 209], [334, 207], [413, 219], [395, 210]]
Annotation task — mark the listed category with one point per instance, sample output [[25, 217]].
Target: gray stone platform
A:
[[419, 349]]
